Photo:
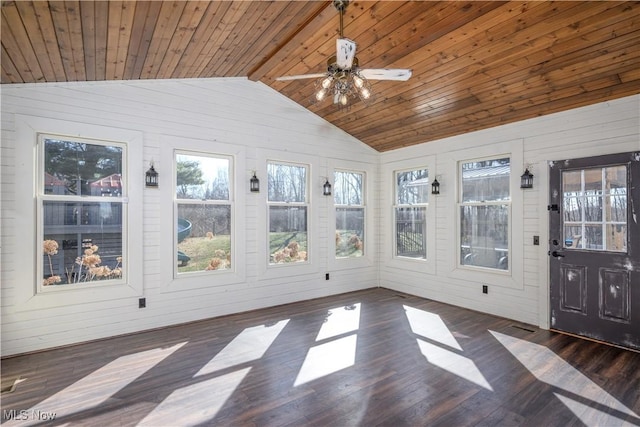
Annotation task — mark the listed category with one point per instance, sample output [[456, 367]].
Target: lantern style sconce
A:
[[151, 178], [526, 180], [254, 183], [326, 188], [435, 187]]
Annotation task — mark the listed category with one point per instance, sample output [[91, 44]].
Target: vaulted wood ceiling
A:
[[475, 64]]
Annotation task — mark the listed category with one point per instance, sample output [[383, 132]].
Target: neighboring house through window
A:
[[82, 215]]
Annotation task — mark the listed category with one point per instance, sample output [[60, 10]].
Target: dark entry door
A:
[[594, 230]]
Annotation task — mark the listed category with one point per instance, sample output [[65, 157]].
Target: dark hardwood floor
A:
[[375, 357]]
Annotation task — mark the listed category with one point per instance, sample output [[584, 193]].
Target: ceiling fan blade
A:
[[345, 52], [399, 74], [300, 76]]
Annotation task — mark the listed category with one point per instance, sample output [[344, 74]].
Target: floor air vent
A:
[[522, 328]]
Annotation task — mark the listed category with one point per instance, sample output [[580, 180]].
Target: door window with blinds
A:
[[595, 209]]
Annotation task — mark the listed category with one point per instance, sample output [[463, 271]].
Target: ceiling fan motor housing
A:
[[332, 65]]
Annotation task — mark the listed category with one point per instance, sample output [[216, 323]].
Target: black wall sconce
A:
[[326, 188], [435, 187], [151, 177], [526, 180], [254, 183]]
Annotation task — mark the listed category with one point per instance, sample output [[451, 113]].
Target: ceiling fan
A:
[[344, 78]]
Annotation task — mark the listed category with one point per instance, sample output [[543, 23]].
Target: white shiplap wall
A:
[[249, 120], [608, 127], [228, 116]]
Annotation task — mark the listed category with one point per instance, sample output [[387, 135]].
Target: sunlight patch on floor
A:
[[95, 388], [454, 363], [196, 404], [431, 326], [249, 345], [550, 368], [200, 402], [591, 416], [340, 320], [328, 358]]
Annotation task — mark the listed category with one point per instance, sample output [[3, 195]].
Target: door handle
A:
[[557, 254]]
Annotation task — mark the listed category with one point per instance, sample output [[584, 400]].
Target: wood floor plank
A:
[[406, 362]]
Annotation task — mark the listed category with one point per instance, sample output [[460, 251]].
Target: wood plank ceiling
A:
[[475, 64]]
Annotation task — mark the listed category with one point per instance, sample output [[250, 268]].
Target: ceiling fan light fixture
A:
[[344, 78], [346, 86], [357, 80], [321, 94]]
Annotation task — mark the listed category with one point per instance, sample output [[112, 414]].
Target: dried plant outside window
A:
[[87, 268], [291, 253], [50, 247], [221, 261], [348, 244]]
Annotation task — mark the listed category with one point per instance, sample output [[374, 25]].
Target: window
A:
[[595, 209], [204, 210], [485, 211], [348, 196], [410, 213], [288, 204], [82, 212]]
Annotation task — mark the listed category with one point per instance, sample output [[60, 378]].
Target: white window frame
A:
[[460, 204], [162, 260], [258, 203], [473, 277], [42, 198], [397, 205], [306, 204], [27, 297], [368, 200], [229, 202], [389, 170]]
